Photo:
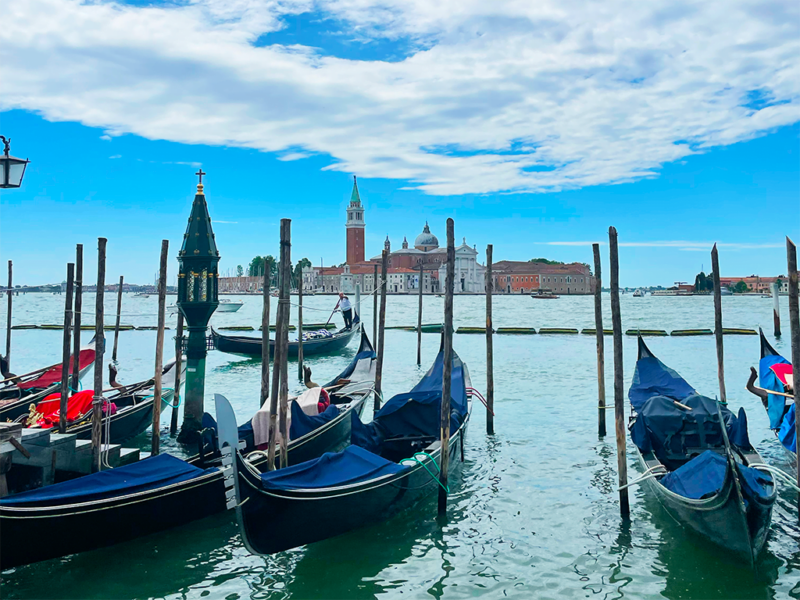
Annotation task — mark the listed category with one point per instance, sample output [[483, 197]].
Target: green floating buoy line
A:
[[516, 330], [690, 332], [558, 330], [656, 332], [594, 331]]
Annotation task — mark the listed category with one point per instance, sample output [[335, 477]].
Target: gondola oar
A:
[[36, 372], [332, 312]]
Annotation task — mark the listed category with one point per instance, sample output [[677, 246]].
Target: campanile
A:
[[355, 227]]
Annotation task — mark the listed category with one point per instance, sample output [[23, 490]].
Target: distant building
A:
[[518, 277], [757, 284], [355, 227]]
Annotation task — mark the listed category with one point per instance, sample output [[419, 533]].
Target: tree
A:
[[546, 261], [703, 282], [741, 287], [297, 276], [239, 270]]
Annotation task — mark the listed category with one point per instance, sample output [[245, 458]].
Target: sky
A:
[[535, 126]]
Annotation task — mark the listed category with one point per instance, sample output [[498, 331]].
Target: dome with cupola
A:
[[426, 240]]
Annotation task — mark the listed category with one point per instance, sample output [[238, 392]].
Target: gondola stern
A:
[[766, 347]]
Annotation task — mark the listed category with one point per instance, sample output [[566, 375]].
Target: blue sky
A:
[[534, 128]]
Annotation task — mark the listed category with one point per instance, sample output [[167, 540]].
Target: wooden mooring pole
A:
[[718, 325], [99, 341], [381, 334], [76, 321], [794, 332], [116, 323], [265, 338], [277, 355], [489, 344], [375, 306], [601, 360], [62, 420], [286, 288], [300, 328], [8, 322], [776, 310], [176, 399], [419, 319], [162, 309], [619, 393], [444, 417]]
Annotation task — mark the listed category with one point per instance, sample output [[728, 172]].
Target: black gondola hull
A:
[[251, 346]]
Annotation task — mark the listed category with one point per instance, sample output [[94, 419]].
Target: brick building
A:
[[518, 277]]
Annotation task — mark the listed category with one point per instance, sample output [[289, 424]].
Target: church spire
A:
[[355, 198]]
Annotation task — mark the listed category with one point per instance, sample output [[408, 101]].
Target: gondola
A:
[[133, 406], [17, 395], [161, 492], [390, 465], [708, 478], [251, 346], [772, 377]]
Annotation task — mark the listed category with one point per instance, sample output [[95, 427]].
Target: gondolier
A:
[[347, 310]]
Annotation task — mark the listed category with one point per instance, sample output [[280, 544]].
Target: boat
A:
[[224, 306], [639, 293], [390, 465], [141, 295], [776, 380], [708, 478], [315, 342], [18, 393], [544, 294], [162, 492], [131, 409]]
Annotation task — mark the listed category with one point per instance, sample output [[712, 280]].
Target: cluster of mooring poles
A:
[[616, 323]]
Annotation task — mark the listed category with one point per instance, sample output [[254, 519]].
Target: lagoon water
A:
[[533, 513]]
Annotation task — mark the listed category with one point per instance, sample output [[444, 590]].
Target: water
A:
[[534, 511]]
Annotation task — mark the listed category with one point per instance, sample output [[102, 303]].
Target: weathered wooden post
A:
[[619, 393], [300, 329], [176, 400], [444, 417], [198, 298], [62, 420], [381, 334], [265, 338], [375, 306], [116, 323], [489, 344], [162, 309], [718, 325], [419, 319], [8, 322], [776, 309], [278, 354], [601, 360], [794, 332], [286, 288], [99, 345], [76, 321]]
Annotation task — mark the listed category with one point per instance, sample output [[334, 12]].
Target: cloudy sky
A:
[[535, 124]]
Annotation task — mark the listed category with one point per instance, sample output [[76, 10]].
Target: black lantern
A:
[[198, 283], [11, 169]]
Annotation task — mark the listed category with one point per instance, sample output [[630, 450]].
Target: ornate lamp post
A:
[[197, 300], [11, 169]]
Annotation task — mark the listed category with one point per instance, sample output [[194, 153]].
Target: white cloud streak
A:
[[497, 96]]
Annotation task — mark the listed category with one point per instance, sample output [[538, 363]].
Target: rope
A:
[[654, 471], [435, 477], [787, 479]]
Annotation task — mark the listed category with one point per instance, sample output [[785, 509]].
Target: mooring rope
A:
[[786, 478], [435, 477], [654, 471]]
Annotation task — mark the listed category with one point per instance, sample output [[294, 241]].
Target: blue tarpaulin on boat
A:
[[148, 474], [787, 432], [654, 378], [303, 423], [769, 381], [332, 469], [704, 476]]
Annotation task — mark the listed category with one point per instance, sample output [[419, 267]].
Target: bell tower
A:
[[355, 227]]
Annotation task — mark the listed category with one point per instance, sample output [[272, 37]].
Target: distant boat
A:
[[544, 294], [224, 306], [725, 292], [638, 293], [141, 295]]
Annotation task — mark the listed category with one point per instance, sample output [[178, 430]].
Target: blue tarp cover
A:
[[148, 474], [370, 353], [769, 381], [303, 423], [704, 475], [654, 378], [787, 432], [332, 469]]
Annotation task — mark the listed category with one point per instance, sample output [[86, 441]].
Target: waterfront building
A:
[[757, 284], [523, 277]]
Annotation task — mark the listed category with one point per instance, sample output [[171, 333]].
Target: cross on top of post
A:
[[200, 174]]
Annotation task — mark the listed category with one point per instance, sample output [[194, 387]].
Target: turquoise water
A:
[[534, 512]]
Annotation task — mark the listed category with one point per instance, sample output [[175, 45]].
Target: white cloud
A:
[[116, 156], [106, 138], [498, 96]]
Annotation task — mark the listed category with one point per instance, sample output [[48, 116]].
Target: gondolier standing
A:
[[347, 310]]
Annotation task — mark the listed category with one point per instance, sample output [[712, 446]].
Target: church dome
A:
[[426, 240]]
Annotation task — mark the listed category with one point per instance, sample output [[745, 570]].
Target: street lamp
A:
[[12, 168], [198, 298]]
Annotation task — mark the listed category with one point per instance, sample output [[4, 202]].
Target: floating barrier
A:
[[426, 328], [735, 331], [315, 326], [51, 326], [111, 327], [272, 328], [24, 327], [517, 330], [238, 328], [149, 328], [552, 330], [655, 332], [594, 331], [689, 332], [471, 330]]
